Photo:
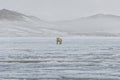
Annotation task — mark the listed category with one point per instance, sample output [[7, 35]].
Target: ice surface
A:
[[76, 59]]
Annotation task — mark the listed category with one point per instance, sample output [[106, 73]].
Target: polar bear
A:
[[58, 40]]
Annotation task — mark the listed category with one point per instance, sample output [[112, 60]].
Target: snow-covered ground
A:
[[78, 58], [15, 24]]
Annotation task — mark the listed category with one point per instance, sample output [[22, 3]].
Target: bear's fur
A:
[[59, 40]]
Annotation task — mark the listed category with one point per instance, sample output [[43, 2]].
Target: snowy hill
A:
[[14, 24], [98, 25]]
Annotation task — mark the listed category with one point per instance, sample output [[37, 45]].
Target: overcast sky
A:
[[52, 10]]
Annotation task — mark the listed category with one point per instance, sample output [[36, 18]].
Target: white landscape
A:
[[15, 24], [78, 58], [90, 33]]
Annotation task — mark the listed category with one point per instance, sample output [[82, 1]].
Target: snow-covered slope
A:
[[14, 24], [99, 25]]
